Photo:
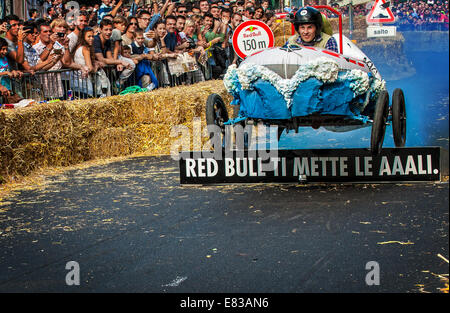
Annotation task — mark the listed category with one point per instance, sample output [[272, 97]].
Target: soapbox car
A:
[[307, 86]]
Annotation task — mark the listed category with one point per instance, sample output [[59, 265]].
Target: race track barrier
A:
[[393, 165]]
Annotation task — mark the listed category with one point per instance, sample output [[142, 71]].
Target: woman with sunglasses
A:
[[130, 31]]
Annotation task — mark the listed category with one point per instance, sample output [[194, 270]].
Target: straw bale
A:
[[282, 30], [111, 142], [359, 22], [137, 138], [70, 132]]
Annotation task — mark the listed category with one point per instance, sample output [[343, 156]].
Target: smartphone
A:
[[57, 46]]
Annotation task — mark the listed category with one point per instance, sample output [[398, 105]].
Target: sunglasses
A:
[[182, 11], [133, 23]]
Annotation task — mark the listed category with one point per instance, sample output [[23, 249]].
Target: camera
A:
[[61, 35], [192, 45]]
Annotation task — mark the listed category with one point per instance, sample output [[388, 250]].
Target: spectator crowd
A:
[[412, 14], [99, 49], [421, 15]]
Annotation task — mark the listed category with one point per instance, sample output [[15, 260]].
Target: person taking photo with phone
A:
[[15, 48], [31, 57], [54, 44]]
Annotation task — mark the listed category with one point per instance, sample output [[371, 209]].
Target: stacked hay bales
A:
[[282, 30], [70, 132]]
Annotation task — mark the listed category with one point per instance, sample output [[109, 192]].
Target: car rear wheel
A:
[[216, 115], [379, 122], [399, 117]]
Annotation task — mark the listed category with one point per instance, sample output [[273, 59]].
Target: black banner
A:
[[314, 165]]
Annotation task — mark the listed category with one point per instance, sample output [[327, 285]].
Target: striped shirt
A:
[[31, 55], [102, 11]]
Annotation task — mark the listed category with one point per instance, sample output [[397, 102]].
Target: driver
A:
[[308, 25]]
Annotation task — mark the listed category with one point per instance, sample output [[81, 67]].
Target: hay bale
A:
[[359, 22], [111, 142], [67, 133], [282, 30]]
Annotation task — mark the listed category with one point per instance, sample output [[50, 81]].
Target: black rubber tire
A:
[[280, 131], [399, 117], [216, 113], [379, 122]]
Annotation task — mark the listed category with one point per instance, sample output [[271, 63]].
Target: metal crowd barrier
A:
[[64, 84]]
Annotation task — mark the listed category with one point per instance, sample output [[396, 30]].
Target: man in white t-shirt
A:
[[80, 24]]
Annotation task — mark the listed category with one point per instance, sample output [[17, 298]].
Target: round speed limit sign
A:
[[252, 36]]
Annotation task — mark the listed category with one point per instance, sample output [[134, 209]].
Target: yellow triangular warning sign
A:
[[380, 13]]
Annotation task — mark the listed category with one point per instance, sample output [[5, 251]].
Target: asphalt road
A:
[[131, 227]]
